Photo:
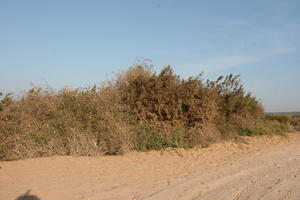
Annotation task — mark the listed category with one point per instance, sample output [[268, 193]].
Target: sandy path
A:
[[266, 168]]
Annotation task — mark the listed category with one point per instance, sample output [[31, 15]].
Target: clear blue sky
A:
[[79, 43]]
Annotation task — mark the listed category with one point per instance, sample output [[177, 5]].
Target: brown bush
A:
[[140, 110], [165, 98], [69, 122], [234, 102], [295, 122]]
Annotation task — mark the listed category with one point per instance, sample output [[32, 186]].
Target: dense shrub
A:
[[69, 122], [234, 104], [140, 110], [165, 98]]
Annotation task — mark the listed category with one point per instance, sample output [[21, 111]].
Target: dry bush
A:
[[69, 122], [165, 98], [239, 112], [234, 101], [140, 110], [168, 111], [295, 122]]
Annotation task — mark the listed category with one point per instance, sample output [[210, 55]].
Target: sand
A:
[[266, 168]]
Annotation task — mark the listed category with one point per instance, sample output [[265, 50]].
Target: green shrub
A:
[[281, 118], [264, 127]]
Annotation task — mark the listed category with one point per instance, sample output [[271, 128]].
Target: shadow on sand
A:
[[27, 196]]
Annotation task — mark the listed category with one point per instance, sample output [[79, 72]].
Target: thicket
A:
[[139, 110]]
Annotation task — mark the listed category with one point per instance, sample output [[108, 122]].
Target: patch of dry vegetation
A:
[[295, 122], [140, 110]]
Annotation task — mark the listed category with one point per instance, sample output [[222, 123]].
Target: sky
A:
[[61, 43]]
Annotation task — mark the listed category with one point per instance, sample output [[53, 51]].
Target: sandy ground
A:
[[266, 168]]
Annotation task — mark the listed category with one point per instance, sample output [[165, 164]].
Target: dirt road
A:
[[266, 168]]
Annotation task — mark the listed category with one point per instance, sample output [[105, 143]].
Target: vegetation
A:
[[295, 122], [140, 110], [281, 118]]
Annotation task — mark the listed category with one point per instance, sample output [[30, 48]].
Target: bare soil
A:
[[265, 168]]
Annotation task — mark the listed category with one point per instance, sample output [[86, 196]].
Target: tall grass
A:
[[139, 110]]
